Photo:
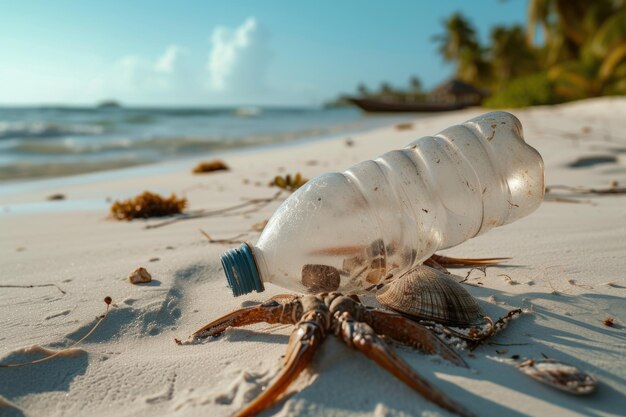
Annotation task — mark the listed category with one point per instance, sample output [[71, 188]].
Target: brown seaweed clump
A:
[[211, 166], [288, 182], [404, 126], [56, 197], [147, 205]]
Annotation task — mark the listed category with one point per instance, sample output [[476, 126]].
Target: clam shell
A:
[[427, 294], [559, 375]]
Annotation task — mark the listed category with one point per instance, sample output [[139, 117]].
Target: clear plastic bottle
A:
[[347, 231]]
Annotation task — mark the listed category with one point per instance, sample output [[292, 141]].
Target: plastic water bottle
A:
[[348, 231]]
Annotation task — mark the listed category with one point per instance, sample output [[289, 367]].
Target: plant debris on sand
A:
[[211, 166], [147, 205], [288, 182]]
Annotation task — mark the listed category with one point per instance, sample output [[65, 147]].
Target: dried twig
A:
[[585, 191], [567, 200], [231, 241], [508, 344], [508, 279], [255, 204], [482, 269], [67, 350], [34, 286]]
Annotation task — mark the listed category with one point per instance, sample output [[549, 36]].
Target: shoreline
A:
[[14, 186], [567, 269], [127, 145]]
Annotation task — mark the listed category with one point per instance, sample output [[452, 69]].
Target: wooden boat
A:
[[382, 106]]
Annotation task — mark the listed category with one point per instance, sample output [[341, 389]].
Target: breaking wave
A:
[[25, 130], [56, 141]]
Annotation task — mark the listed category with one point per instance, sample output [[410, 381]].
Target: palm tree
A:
[[601, 66], [585, 45], [415, 91], [415, 85], [362, 90], [567, 24], [459, 35], [610, 34], [386, 91], [459, 44], [510, 54]]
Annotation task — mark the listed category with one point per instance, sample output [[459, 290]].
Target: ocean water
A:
[[49, 142]]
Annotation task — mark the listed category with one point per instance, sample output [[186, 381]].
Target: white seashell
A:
[[559, 375]]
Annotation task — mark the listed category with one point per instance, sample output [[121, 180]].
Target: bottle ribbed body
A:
[[349, 231]]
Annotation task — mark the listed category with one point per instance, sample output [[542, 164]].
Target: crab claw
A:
[[271, 312], [303, 342], [361, 336]]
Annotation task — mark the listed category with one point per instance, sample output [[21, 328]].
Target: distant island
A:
[[108, 104], [582, 54]]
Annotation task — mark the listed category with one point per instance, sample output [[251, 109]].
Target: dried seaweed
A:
[[56, 197], [210, 166], [147, 205], [290, 183], [404, 126]]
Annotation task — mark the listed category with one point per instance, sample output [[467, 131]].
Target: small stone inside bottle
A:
[[369, 264]]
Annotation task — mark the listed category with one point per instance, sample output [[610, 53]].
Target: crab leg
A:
[[303, 342], [271, 312], [476, 338], [362, 337], [412, 334]]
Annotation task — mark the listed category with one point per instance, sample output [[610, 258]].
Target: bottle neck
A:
[[241, 270]]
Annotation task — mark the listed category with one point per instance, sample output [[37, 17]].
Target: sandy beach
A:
[[568, 269]]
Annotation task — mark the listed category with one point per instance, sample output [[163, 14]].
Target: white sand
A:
[[564, 256]]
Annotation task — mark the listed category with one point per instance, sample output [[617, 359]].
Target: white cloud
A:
[[134, 78], [167, 62], [130, 71], [239, 60], [238, 65]]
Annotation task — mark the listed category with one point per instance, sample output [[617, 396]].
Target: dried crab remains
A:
[[362, 328], [432, 312]]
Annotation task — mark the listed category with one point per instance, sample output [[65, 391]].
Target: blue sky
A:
[[214, 53]]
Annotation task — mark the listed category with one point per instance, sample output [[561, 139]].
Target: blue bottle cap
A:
[[241, 271]]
